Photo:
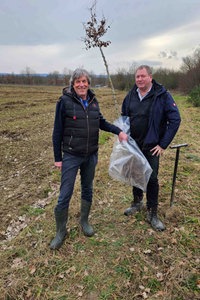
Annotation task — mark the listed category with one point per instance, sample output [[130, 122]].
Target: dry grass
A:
[[125, 259]]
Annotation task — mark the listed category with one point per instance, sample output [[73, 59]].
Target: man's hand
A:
[[157, 150], [58, 164], [123, 136]]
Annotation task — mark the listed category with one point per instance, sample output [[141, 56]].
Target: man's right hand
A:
[[58, 164]]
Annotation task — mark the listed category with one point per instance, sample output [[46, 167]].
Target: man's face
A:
[[143, 79], [81, 87]]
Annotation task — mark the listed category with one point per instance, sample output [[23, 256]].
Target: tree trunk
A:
[[111, 84]]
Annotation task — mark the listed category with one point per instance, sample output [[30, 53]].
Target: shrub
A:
[[194, 96]]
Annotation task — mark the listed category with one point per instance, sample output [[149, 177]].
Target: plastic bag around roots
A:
[[127, 162]]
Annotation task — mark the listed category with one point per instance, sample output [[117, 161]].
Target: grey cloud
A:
[[40, 22], [168, 54], [35, 22], [162, 54]]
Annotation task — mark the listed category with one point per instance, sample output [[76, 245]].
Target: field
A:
[[125, 259]]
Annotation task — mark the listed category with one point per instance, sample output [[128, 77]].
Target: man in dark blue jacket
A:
[[154, 121], [75, 143]]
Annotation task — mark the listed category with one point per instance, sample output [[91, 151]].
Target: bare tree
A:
[[95, 30], [28, 73], [191, 71]]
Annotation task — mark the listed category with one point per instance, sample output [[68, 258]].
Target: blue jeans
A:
[[70, 166], [153, 185]]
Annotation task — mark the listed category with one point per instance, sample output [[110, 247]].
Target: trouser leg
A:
[[153, 185], [152, 194], [70, 166], [87, 172], [70, 169]]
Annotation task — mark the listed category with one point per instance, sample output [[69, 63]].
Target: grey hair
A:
[[77, 74], [146, 67]]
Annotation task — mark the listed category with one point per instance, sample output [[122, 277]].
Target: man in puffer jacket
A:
[[75, 143], [154, 121]]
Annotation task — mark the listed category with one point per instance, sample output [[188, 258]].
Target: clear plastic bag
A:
[[127, 163]]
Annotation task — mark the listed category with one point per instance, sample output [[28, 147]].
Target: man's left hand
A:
[[157, 150]]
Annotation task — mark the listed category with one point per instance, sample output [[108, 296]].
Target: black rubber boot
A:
[[136, 206], [61, 218], [85, 211], [153, 219]]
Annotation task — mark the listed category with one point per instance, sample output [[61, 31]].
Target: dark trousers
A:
[[153, 185], [70, 166]]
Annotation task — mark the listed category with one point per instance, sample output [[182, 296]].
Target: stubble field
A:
[[125, 259]]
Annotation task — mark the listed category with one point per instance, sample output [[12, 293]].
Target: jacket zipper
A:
[[87, 120]]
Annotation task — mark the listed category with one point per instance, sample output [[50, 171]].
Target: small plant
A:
[[139, 217], [32, 211], [154, 285], [192, 282], [73, 234], [193, 157], [46, 192], [194, 96], [106, 294], [123, 270], [191, 220], [79, 246]]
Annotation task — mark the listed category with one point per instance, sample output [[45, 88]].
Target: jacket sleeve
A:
[[57, 136], [173, 121], [125, 106], [106, 126]]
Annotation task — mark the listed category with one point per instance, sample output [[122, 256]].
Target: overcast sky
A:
[[46, 35]]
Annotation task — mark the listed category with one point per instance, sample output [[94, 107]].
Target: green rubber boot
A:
[[85, 211], [61, 218]]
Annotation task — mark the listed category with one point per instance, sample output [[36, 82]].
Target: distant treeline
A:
[[54, 78], [184, 80]]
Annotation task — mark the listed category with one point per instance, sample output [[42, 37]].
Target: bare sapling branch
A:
[[95, 29]]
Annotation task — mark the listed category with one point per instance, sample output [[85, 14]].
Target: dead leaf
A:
[[147, 251], [141, 287], [32, 269], [146, 269], [29, 293], [18, 263], [72, 269], [144, 295], [159, 275]]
